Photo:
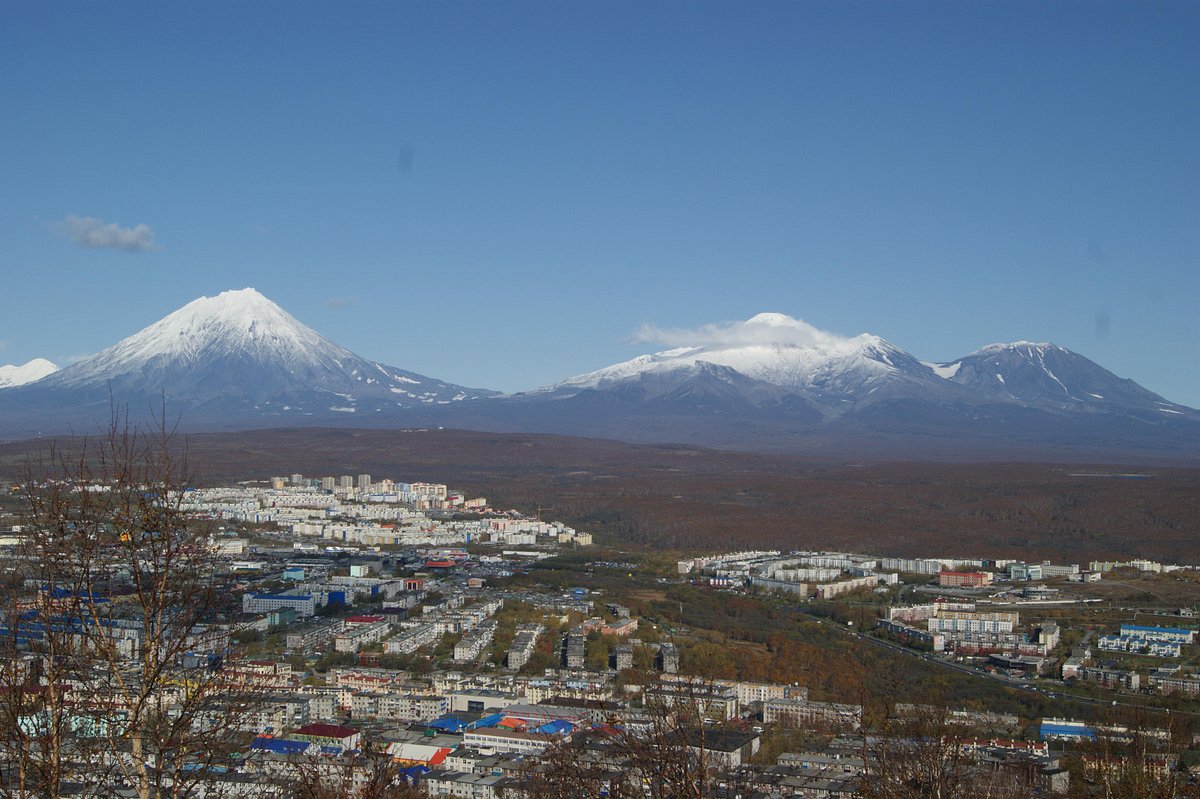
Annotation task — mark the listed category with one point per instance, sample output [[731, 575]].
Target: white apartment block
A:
[[474, 642], [508, 741], [410, 640], [355, 638], [304, 604], [524, 644], [803, 712]]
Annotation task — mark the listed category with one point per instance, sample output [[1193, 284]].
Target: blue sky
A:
[[501, 193]]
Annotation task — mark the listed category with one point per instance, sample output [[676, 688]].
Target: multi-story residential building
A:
[[928, 566], [313, 637], [1175, 684], [1177, 635], [668, 658], [413, 638], [364, 679], [906, 632], [802, 712], [544, 689], [304, 604], [952, 579], [1111, 678], [711, 701], [574, 650], [1049, 635], [466, 785], [412, 707], [830, 590], [523, 644], [960, 626], [471, 646], [355, 637], [1139, 645], [620, 627]]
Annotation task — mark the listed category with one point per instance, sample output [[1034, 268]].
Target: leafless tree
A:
[[111, 640], [1134, 754], [358, 775], [664, 750], [921, 754]]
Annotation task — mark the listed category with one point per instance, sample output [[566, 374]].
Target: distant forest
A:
[[666, 497]]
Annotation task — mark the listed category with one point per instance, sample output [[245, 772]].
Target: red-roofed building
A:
[[328, 735]]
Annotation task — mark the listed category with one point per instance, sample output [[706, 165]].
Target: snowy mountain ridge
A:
[[772, 382]]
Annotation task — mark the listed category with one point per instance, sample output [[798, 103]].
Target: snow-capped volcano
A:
[[233, 360], [30, 372], [242, 324], [776, 349], [1049, 376]]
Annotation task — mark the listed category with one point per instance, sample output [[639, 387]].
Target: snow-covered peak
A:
[[774, 319], [1028, 346], [233, 322], [240, 352], [240, 322], [771, 347], [13, 375]]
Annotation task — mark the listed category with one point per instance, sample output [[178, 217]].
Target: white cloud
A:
[[93, 233], [763, 329], [337, 303]]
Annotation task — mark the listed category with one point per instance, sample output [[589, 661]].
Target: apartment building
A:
[[524, 644]]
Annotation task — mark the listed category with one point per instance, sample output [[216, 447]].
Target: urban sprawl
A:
[[381, 622]]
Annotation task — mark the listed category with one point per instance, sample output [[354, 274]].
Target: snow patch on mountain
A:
[[19, 375], [944, 370]]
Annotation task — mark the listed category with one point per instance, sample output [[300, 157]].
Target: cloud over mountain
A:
[[763, 329]]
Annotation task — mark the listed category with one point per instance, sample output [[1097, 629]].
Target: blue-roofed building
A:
[[1065, 730], [1139, 645], [1175, 635], [448, 724], [413, 774], [490, 720], [280, 746], [556, 727]]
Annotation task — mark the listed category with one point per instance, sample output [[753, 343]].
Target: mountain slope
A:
[[1054, 378]]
